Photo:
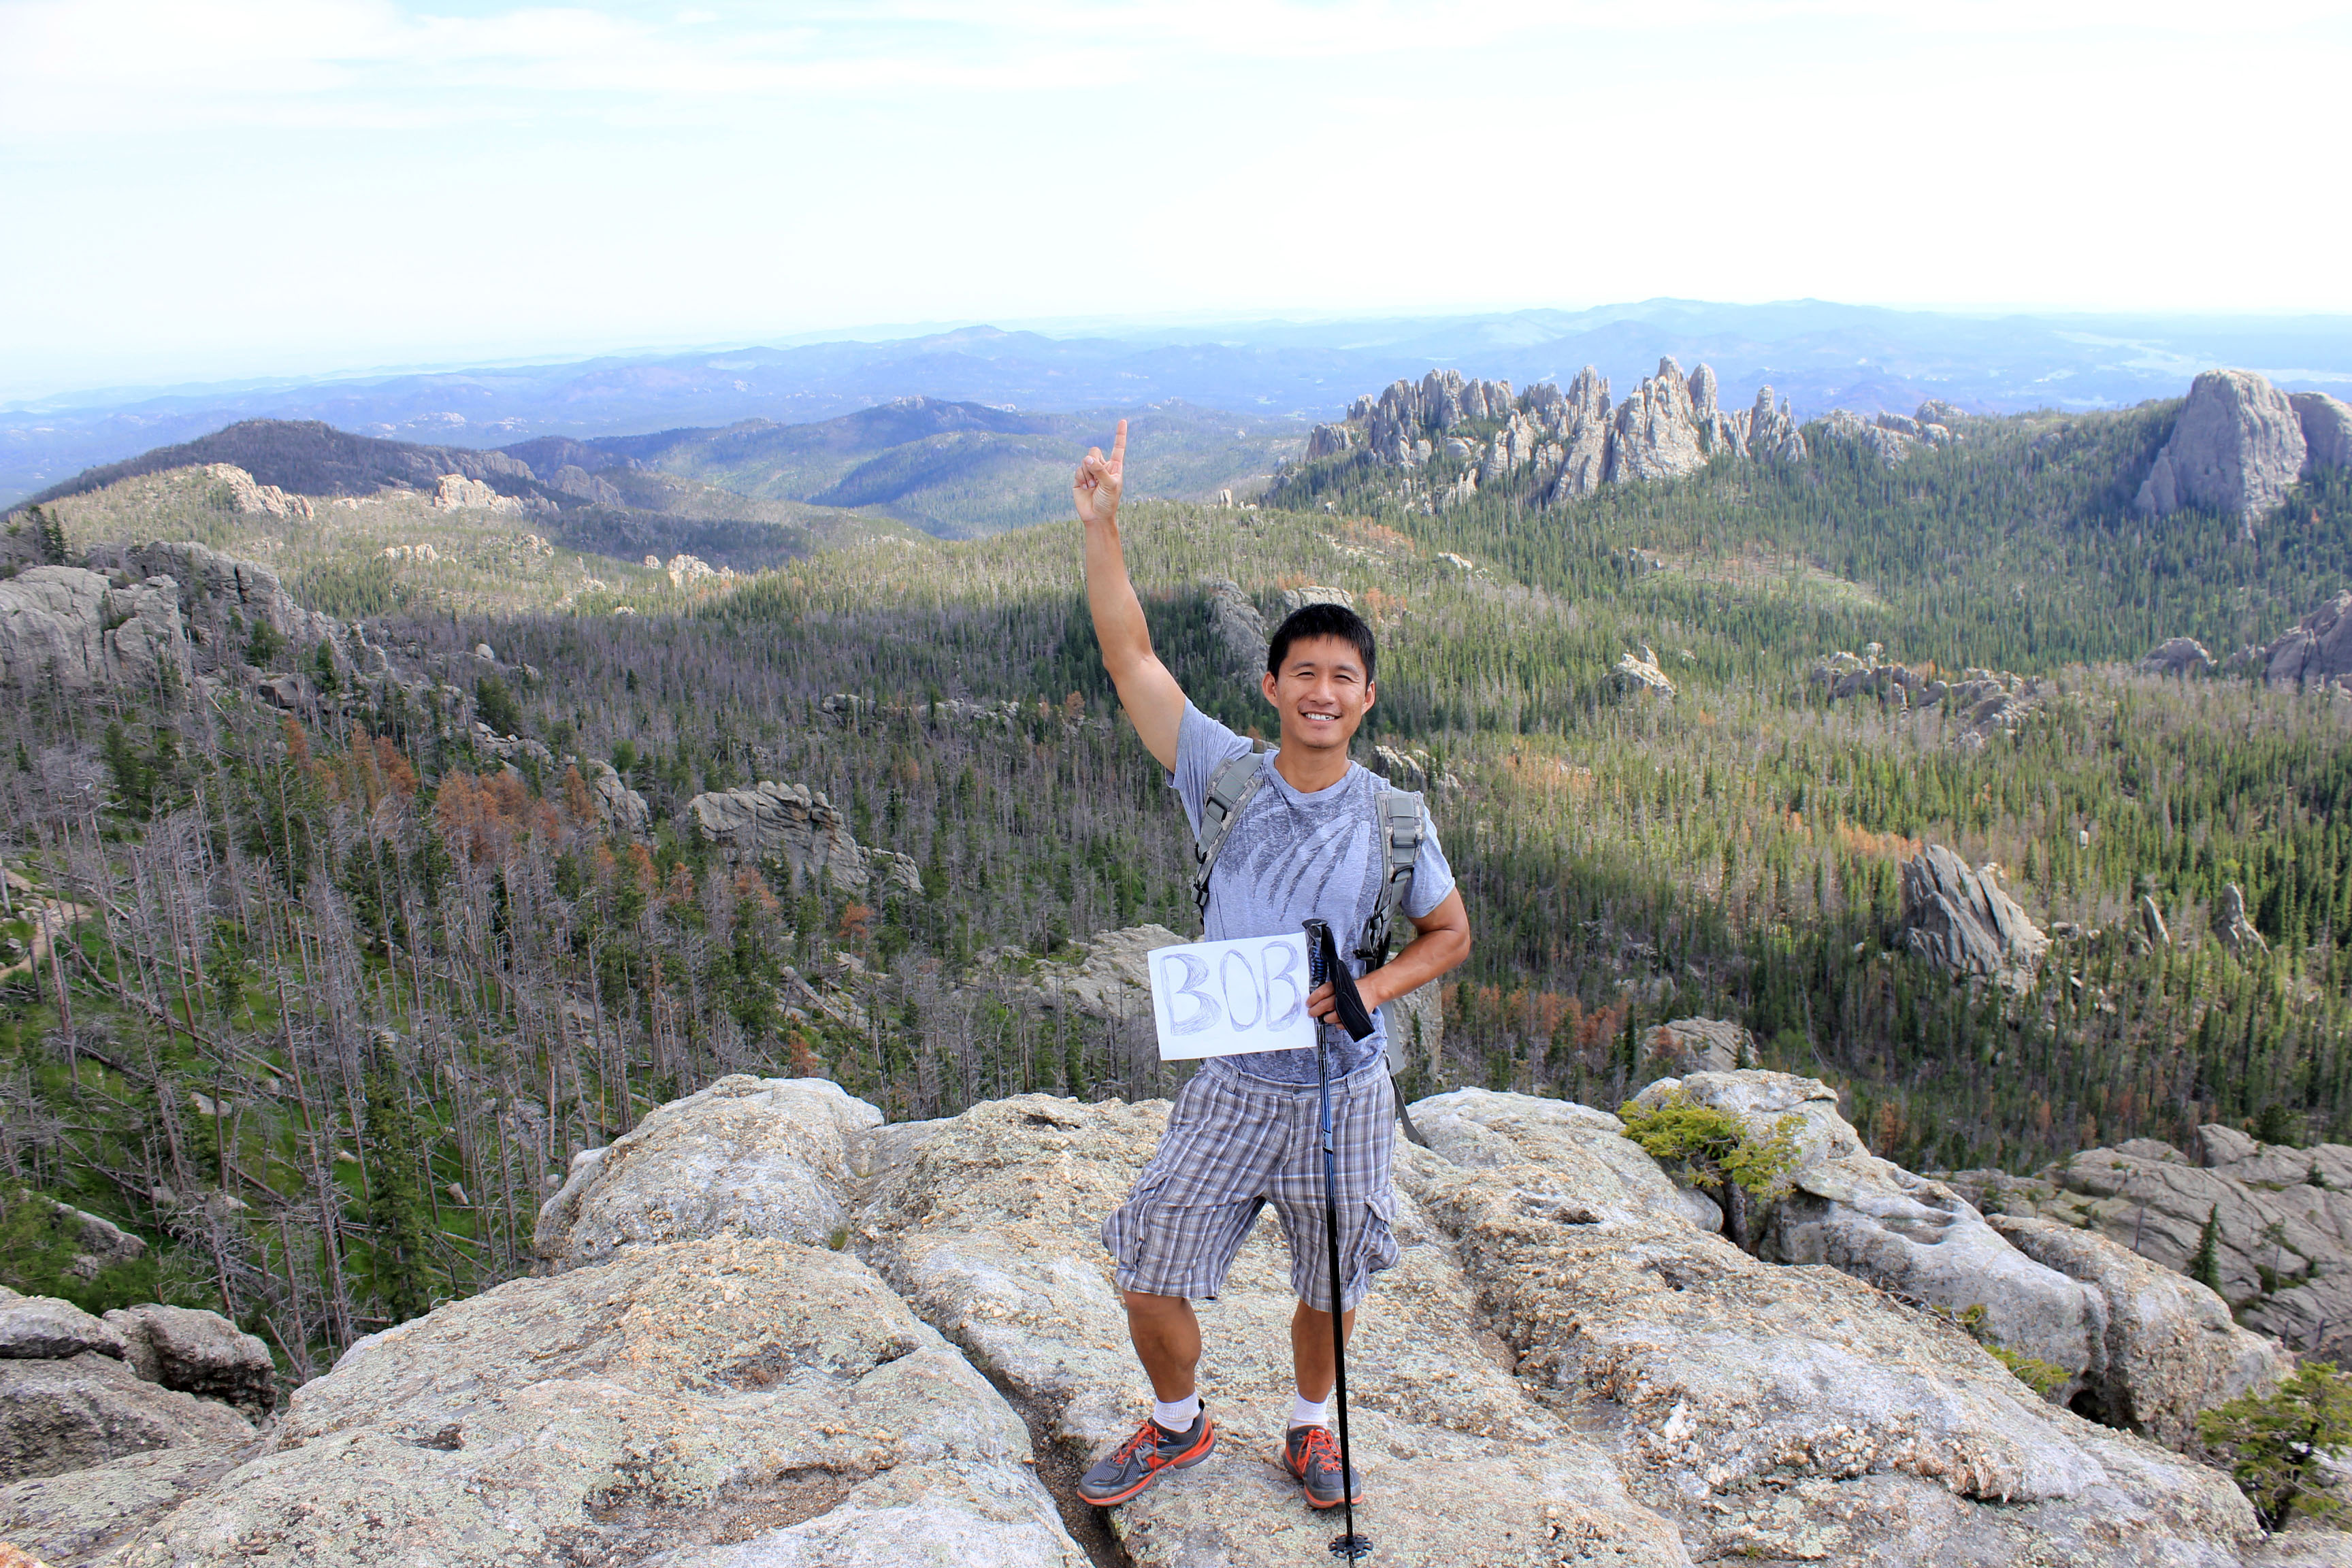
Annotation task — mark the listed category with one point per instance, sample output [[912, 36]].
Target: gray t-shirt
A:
[[1290, 855]]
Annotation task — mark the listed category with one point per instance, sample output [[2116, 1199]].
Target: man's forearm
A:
[[1425, 958], [1120, 626]]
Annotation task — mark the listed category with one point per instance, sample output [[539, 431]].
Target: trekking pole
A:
[[1322, 964]]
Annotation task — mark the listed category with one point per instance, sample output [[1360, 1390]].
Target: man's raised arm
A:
[[1153, 701]]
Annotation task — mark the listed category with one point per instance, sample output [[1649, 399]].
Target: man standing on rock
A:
[[1305, 842]]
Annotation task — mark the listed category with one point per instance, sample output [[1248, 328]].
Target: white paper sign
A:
[[1221, 998]]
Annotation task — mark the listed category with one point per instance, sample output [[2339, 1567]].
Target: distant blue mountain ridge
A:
[[1821, 356]]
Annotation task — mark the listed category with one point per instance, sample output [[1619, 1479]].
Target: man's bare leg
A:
[[1310, 1350], [1166, 1338]]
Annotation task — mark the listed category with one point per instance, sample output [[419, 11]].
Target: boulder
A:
[[80, 1517], [1111, 977], [1239, 625], [800, 828], [44, 1328], [1413, 769], [987, 1224], [733, 1400], [2326, 430], [2166, 1349], [243, 495], [198, 1353], [455, 492], [1297, 599], [1329, 441], [1638, 675], [2292, 1283], [2137, 1351], [103, 1243], [2236, 448], [1761, 1099], [1701, 1044], [1963, 923], [1581, 1150], [2178, 657], [1887, 442], [2317, 652], [747, 1156], [1919, 1240], [83, 1410], [1793, 1413], [2236, 932], [617, 805]]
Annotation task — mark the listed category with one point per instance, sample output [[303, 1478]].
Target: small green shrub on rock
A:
[[1715, 1150], [2045, 1378], [2276, 1440]]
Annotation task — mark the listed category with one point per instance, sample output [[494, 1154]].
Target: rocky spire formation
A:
[[1572, 440], [2240, 444]]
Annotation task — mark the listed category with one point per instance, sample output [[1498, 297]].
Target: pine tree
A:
[[395, 1202], [2206, 1266]]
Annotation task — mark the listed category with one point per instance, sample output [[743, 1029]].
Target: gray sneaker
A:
[[1312, 1454], [1137, 1463]]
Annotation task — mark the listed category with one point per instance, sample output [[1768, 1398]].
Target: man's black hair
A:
[[1320, 621]]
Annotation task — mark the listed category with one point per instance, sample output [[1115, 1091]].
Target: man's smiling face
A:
[[1321, 693]]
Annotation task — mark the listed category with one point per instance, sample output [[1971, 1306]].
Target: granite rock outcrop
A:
[[2326, 430], [2238, 444], [1963, 922], [1239, 628], [616, 805], [762, 1158], [244, 496], [2281, 1217], [1552, 442], [198, 1353], [798, 827], [2178, 657], [1979, 706], [80, 630], [2134, 1345], [2317, 652], [725, 1402], [1567, 1366]]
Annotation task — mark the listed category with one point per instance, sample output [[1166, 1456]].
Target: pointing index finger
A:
[[1119, 447]]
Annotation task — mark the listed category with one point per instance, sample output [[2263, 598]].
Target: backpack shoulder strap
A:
[[1232, 786], [1397, 819]]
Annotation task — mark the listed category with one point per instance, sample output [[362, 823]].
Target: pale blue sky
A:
[[200, 189]]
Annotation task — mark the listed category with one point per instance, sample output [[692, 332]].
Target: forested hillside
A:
[[353, 970], [955, 470]]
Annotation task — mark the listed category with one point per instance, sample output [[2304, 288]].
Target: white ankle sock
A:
[[1178, 1417], [1305, 1412]]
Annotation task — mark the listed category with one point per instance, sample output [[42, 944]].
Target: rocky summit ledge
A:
[[903, 1342]]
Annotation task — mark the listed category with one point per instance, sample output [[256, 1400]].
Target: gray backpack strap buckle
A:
[[1231, 787]]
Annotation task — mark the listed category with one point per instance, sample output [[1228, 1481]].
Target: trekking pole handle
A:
[[1318, 942]]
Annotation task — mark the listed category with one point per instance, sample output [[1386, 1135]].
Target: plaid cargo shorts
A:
[[1234, 1145]]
